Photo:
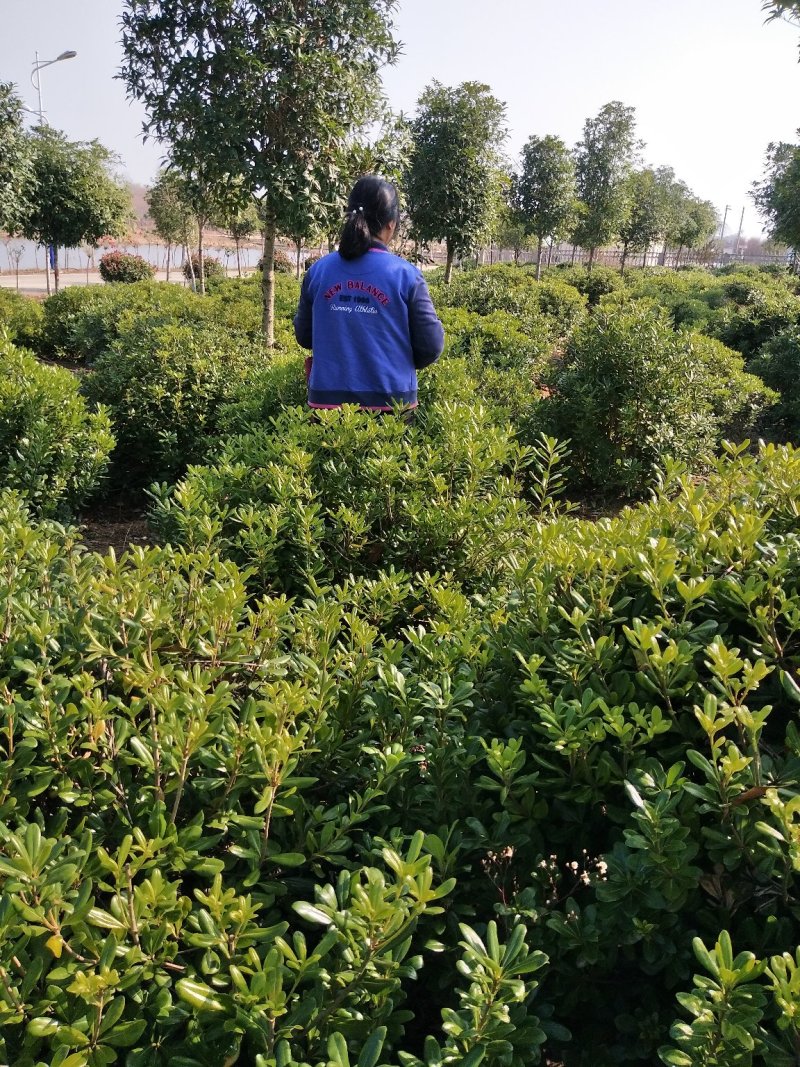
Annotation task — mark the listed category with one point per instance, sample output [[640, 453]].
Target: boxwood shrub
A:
[[81, 322], [53, 448], [125, 267], [164, 386], [392, 821], [20, 318], [631, 390], [314, 499]]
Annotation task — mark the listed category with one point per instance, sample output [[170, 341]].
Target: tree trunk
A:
[[298, 246], [624, 257], [550, 253], [574, 250], [662, 259], [56, 271], [590, 264], [644, 257], [201, 265], [169, 253], [678, 256], [188, 259], [238, 258], [448, 270], [268, 283], [539, 259]]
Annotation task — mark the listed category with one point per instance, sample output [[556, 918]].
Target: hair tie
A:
[[360, 208]]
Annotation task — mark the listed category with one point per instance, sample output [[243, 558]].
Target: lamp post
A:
[[36, 82]]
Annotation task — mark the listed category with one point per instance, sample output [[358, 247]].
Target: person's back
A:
[[366, 314]]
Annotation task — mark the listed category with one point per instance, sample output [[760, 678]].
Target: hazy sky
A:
[[711, 84]]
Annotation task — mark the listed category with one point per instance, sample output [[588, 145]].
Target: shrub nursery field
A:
[[473, 740]]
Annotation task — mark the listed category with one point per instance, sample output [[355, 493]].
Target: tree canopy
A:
[[604, 159], [16, 164], [257, 92], [78, 198], [452, 183], [543, 192], [777, 195]]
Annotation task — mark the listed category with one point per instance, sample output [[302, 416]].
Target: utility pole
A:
[[739, 235], [722, 231], [36, 82]]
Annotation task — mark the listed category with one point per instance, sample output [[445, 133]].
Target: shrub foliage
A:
[[383, 755], [53, 449], [125, 267]]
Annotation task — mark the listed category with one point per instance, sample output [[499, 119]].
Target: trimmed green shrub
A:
[[164, 386], [81, 323], [630, 391], [212, 268], [314, 499], [778, 363], [282, 264], [20, 318], [594, 284], [53, 449], [504, 288], [124, 267], [393, 822], [754, 314]]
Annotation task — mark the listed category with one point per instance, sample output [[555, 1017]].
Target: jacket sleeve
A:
[[427, 332], [303, 318]]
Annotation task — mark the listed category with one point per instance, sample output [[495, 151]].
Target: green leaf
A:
[[370, 1053], [198, 995]]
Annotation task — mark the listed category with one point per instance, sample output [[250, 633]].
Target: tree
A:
[[16, 169], [509, 232], [544, 192], [777, 195], [647, 217], [451, 183], [77, 198], [169, 212], [604, 159], [695, 224], [257, 94], [240, 221], [383, 147], [782, 9]]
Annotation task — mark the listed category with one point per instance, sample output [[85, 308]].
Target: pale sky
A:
[[712, 85]]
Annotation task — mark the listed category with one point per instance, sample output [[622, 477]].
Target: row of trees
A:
[[262, 103], [461, 191], [57, 192]]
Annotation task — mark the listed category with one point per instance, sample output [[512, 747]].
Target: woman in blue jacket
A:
[[366, 314]]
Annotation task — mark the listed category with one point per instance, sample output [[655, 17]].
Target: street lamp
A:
[[36, 82], [36, 79]]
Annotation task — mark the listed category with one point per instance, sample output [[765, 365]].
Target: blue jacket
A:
[[370, 324]]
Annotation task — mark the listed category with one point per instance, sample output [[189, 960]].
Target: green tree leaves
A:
[[453, 178]]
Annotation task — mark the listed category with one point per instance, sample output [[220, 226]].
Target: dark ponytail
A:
[[371, 206]]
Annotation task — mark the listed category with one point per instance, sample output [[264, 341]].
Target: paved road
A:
[[35, 284]]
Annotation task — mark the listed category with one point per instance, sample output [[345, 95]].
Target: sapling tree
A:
[[604, 159], [169, 212], [383, 147], [544, 194], [257, 94], [509, 230], [646, 214], [452, 181], [240, 221], [694, 225], [77, 197]]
